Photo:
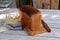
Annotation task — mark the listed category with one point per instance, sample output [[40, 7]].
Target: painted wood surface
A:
[[51, 17]]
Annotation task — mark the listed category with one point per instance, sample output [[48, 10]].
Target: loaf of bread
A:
[[31, 20]]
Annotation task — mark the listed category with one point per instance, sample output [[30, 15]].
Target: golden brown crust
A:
[[29, 10], [31, 20]]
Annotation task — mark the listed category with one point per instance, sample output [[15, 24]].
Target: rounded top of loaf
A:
[[29, 10]]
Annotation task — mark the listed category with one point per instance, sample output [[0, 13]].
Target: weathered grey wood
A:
[[54, 24]]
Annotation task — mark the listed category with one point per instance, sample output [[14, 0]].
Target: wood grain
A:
[[21, 35]]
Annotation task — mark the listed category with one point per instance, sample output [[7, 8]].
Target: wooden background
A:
[[46, 4]]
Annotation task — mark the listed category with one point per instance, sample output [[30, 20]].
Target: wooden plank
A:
[[22, 35], [54, 4], [36, 4], [41, 4], [48, 36]]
